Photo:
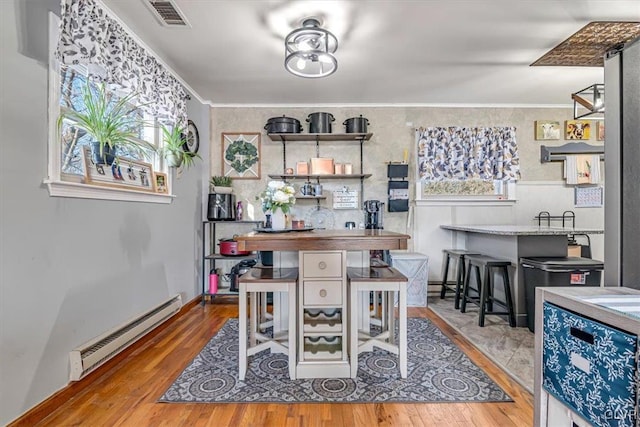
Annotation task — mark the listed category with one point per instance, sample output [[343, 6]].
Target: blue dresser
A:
[[587, 357]]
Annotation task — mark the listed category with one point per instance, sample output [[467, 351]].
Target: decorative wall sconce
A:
[[309, 50], [589, 102]]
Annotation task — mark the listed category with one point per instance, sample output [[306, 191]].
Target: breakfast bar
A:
[[513, 242], [322, 309]]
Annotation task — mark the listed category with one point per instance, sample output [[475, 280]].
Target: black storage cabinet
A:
[[556, 272]]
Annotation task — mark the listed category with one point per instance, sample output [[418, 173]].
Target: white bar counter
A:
[[513, 242]]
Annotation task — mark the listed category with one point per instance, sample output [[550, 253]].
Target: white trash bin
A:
[[415, 266]]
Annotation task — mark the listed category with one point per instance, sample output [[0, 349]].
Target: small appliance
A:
[[221, 207], [373, 214]]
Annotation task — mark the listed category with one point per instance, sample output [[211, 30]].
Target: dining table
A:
[[322, 257]]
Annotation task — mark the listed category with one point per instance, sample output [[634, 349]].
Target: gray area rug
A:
[[438, 372]]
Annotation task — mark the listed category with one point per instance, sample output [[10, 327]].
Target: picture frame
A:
[[547, 130], [600, 130], [241, 156], [577, 129], [161, 181], [122, 173]]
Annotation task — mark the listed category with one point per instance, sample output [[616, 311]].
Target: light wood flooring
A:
[[126, 391]]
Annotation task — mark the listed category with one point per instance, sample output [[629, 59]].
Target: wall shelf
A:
[[314, 137], [554, 154], [316, 177]]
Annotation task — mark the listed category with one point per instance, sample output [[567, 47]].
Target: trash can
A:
[[555, 272]]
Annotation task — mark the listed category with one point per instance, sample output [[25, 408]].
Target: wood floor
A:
[[126, 394]]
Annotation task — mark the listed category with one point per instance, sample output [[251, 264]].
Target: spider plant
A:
[[173, 148], [111, 122]]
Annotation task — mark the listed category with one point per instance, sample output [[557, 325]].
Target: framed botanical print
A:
[[241, 155]]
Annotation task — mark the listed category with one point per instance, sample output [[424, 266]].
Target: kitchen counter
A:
[[521, 230], [513, 242], [347, 240]]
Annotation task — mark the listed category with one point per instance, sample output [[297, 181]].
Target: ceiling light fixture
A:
[[309, 50], [589, 102]]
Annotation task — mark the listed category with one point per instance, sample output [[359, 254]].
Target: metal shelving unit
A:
[[210, 256]]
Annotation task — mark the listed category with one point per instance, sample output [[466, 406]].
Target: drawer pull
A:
[[322, 265], [582, 335], [323, 293]]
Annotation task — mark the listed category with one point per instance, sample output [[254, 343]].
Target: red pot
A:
[[229, 247]]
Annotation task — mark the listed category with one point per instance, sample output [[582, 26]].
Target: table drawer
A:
[[590, 367], [327, 292], [322, 264]]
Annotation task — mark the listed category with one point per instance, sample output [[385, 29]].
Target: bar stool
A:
[[254, 284], [387, 280], [459, 255], [485, 287]]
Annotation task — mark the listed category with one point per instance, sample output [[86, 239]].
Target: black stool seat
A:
[[269, 274], [458, 254], [485, 287]]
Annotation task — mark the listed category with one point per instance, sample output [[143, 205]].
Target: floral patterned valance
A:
[[90, 37], [461, 153]]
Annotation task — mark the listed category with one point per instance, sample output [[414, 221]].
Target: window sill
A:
[[461, 201], [85, 191]]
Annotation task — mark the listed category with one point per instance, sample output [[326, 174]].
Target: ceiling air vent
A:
[[167, 13]]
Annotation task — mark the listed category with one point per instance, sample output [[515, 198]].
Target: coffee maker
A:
[[373, 214]]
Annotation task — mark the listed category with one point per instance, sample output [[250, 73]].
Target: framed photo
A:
[[547, 130], [122, 173], [577, 129], [241, 155], [600, 130], [162, 185]]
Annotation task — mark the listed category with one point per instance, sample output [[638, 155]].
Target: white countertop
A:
[[522, 230]]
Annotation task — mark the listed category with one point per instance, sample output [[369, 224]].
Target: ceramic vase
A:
[[278, 220]]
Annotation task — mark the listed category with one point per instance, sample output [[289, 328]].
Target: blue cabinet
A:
[[590, 367]]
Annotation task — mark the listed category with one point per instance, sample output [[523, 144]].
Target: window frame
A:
[[75, 188]]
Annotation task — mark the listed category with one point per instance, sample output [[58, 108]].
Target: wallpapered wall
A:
[[393, 131]]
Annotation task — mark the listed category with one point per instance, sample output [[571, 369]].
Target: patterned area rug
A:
[[438, 372]]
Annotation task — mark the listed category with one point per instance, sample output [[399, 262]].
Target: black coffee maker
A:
[[373, 214]]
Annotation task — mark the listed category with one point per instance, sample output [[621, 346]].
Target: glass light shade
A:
[[309, 51]]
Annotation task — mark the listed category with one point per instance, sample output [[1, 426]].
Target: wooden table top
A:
[[355, 240]]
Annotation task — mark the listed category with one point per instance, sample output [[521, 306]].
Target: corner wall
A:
[[73, 268]]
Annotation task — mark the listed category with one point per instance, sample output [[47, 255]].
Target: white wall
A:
[[73, 268]]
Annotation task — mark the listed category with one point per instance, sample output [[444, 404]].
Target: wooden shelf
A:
[[346, 137], [327, 176], [231, 257], [311, 197]]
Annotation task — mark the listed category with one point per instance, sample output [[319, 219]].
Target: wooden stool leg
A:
[[253, 318], [292, 330], [391, 316], [353, 329], [242, 328], [402, 341], [465, 289], [484, 290], [459, 281], [445, 273], [507, 295]]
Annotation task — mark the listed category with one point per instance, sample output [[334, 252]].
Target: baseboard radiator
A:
[[96, 352]]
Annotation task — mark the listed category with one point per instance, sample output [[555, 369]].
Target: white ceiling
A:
[[419, 52]]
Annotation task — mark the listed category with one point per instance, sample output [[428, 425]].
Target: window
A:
[[467, 163], [89, 40], [72, 138]]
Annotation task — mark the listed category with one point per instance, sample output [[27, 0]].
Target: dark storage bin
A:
[[556, 272]]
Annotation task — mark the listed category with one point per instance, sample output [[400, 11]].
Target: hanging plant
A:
[[241, 155]]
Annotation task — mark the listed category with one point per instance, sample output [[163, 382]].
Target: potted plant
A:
[[173, 147], [221, 184], [111, 122]]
